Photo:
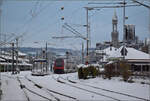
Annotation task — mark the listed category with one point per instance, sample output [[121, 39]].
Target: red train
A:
[[62, 65], [59, 66]]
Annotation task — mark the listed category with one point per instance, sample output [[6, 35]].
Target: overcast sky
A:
[[41, 20]]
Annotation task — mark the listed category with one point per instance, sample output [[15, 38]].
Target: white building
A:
[[138, 60]]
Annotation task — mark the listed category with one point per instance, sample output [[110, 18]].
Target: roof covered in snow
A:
[[131, 53], [2, 59], [21, 54], [134, 54], [85, 66], [10, 58]]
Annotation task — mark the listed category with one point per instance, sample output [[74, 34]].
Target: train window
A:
[[59, 62]]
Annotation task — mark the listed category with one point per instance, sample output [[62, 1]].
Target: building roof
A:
[[10, 58], [132, 54], [21, 54], [2, 59], [19, 64]]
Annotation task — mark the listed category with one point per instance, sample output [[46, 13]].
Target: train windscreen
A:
[[59, 62]]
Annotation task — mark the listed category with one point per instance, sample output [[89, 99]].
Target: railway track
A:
[[74, 82], [25, 93], [24, 88], [90, 91], [51, 91]]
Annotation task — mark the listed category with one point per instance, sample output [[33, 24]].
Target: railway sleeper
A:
[[22, 86], [60, 81], [38, 86], [72, 81]]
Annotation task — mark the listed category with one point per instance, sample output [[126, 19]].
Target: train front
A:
[[59, 66]]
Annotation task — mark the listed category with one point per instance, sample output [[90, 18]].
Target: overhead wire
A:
[[26, 16], [74, 12], [37, 14], [29, 21], [57, 21], [21, 27]]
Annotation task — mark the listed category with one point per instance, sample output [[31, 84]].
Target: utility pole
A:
[[0, 24], [46, 57], [17, 55], [5, 66], [87, 25], [88, 29], [0, 47], [13, 67], [124, 3], [67, 58], [82, 53], [149, 35]]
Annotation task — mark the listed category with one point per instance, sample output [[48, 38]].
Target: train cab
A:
[[59, 66]]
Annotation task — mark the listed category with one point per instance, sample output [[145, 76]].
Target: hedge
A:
[[85, 73]]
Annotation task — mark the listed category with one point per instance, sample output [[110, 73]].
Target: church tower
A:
[[114, 33]]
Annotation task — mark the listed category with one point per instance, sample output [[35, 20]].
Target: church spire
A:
[[114, 33], [115, 15]]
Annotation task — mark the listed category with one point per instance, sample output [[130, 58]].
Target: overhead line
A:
[[31, 19], [115, 2], [73, 12], [112, 6], [147, 6]]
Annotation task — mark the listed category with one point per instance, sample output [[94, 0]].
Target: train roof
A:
[[40, 60]]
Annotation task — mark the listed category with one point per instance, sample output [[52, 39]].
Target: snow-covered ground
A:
[[69, 87]]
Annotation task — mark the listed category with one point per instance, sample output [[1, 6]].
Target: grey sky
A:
[[16, 17]]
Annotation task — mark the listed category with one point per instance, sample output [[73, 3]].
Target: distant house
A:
[[138, 60]]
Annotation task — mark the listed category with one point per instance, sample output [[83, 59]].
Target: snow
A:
[[110, 62], [2, 59], [85, 66], [82, 65], [135, 54], [21, 54], [12, 91], [132, 53]]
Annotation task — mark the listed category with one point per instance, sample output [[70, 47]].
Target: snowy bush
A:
[[80, 73], [119, 68], [108, 71], [124, 70], [85, 73]]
